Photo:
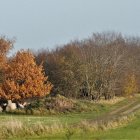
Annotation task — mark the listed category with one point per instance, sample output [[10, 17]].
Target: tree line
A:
[[102, 66]]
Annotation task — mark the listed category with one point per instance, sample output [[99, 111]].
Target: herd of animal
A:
[[10, 106]]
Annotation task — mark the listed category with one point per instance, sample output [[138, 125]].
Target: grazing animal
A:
[[11, 106], [3, 104], [20, 106]]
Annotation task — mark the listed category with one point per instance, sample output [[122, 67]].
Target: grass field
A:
[[128, 132], [64, 126]]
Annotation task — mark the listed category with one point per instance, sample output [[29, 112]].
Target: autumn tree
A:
[[62, 66], [5, 46], [24, 79], [130, 85]]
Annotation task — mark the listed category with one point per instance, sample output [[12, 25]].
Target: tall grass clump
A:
[[15, 128], [104, 125]]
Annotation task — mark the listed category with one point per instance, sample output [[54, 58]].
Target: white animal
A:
[[11, 106]]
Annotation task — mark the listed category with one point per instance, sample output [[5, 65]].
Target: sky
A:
[[37, 24]]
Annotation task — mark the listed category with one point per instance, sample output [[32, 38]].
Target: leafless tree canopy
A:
[[100, 66]]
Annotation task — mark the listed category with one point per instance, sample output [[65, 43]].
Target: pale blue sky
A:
[[47, 23]]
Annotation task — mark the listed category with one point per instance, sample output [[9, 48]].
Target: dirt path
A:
[[131, 110], [131, 106], [123, 108]]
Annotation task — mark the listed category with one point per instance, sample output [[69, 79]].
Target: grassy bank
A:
[[128, 130]]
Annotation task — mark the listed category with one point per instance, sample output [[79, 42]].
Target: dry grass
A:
[[111, 101], [105, 125], [15, 128], [59, 103]]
